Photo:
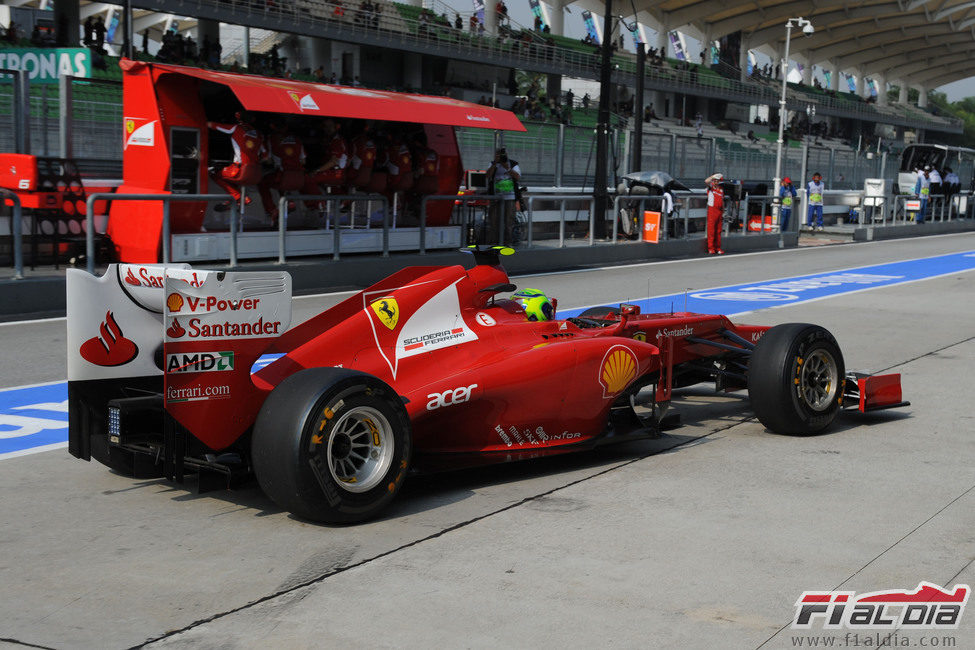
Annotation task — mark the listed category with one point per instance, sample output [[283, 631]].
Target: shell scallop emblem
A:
[[174, 302], [618, 369]]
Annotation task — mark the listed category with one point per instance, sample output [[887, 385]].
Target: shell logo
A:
[[289, 151], [174, 302], [617, 371]]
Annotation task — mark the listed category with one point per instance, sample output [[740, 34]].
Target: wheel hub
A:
[[819, 380]]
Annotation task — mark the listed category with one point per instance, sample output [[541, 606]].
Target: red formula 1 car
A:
[[175, 371]]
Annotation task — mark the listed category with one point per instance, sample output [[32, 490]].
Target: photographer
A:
[[504, 175]]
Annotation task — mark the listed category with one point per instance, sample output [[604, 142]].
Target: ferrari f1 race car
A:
[[174, 371]]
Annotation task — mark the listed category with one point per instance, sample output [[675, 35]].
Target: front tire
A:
[[795, 379], [332, 445]]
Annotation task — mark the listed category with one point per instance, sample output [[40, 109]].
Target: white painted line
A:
[[33, 450], [45, 383]]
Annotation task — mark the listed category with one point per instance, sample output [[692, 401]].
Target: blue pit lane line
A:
[[35, 418]]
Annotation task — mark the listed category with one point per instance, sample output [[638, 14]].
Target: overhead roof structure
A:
[[922, 43], [918, 43], [272, 95]]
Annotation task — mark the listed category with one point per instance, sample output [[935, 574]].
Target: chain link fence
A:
[[687, 158], [96, 133]]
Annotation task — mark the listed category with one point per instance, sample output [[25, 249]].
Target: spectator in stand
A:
[[205, 49], [216, 54], [458, 22], [99, 31], [502, 10], [88, 37], [585, 101], [474, 24], [319, 74], [35, 36]]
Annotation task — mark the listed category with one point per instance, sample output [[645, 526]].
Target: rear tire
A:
[[795, 379], [332, 445]]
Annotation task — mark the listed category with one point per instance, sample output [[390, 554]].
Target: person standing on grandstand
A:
[[288, 155], [503, 175], [922, 190], [814, 190], [715, 213], [248, 152], [787, 194]]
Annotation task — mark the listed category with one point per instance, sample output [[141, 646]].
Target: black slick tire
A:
[[310, 435], [795, 379]]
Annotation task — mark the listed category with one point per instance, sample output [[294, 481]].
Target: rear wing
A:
[[188, 336]]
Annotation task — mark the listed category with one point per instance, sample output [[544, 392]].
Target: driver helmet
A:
[[537, 305]]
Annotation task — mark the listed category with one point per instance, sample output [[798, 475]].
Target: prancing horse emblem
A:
[[387, 310]]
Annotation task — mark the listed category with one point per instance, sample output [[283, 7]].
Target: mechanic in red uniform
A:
[[332, 171], [715, 213], [248, 152], [400, 164], [288, 155], [363, 159]]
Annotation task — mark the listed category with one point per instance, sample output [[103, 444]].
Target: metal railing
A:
[[458, 199], [561, 199], [16, 231], [330, 200], [165, 199]]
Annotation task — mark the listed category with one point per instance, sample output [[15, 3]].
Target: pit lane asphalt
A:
[[702, 539]]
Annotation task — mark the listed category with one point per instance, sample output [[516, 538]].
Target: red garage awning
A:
[[274, 95]]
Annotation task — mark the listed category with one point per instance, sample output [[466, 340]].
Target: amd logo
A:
[[450, 397], [200, 362]]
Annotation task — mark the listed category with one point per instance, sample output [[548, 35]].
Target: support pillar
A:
[[491, 17], [807, 72], [413, 70], [902, 93], [881, 82], [553, 87], [209, 29], [743, 60], [922, 97], [67, 19], [557, 18]]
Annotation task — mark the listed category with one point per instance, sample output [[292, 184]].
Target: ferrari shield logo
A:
[[387, 310]]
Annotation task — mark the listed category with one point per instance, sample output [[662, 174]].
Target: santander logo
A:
[[110, 348], [131, 279], [175, 330]]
